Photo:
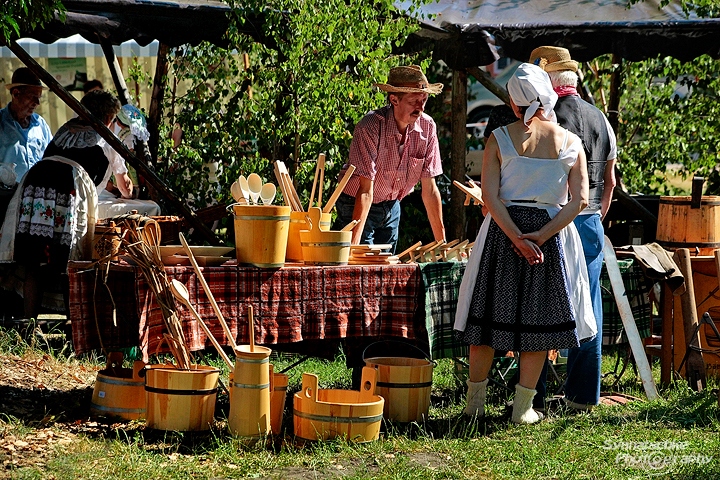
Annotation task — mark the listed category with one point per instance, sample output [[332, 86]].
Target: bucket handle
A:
[[404, 344], [310, 386], [138, 370], [367, 384], [697, 186]]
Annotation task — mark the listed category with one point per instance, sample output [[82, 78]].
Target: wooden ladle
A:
[[180, 291]]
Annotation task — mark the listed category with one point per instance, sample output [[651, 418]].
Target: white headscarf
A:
[[530, 87]]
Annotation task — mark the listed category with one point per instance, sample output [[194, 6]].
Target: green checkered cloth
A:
[[442, 283], [637, 294]]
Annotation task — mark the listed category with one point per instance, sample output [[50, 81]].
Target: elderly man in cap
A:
[[23, 133], [582, 387], [393, 148]]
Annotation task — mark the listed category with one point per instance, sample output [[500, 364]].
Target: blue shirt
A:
[[22, 146]]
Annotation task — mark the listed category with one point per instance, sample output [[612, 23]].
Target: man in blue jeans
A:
[[582, 386], [393, 148]]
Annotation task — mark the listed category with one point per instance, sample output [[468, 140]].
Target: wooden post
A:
[[490, 83], [615, 89], [113, 141], [456, 212], [158, 92], [695, 366], [121, 87]]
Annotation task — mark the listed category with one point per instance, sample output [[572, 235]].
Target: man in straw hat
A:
[[393, 148], [23, 133], [582, 387]]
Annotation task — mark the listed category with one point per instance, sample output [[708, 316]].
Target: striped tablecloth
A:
[[292, 305]]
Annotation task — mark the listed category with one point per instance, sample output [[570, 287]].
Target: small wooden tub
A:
[[181, 400], [320, 247], [119, 392], [261, 234], [298, 223], [405, 384], [329, 414]]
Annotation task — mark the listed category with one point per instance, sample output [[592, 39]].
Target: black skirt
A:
[[518, 306]]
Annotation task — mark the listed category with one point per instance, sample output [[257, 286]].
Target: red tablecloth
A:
[[291, 304]]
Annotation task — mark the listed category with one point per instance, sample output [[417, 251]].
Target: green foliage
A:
[[669, 116], [303, 91], [18, 16], [700, 8]]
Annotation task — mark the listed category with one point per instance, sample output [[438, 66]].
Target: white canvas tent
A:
[[76, 46]]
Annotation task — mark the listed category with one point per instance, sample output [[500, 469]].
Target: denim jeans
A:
[[582, 384], [381, 226]]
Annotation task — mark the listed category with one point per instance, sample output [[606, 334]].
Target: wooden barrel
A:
[[321, 247], [261, 234], [405, 384], [684, 223], [278, 394], [180, 400], [297, 223], [329, 414], [148, 228], [119, 392], [250, 398]]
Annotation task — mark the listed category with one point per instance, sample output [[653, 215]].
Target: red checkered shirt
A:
[[394, 175]]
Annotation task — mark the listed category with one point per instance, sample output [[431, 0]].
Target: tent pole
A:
[[158, 92], [113, 141], [456, 212]]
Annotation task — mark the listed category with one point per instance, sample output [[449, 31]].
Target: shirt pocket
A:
[[414, 172]]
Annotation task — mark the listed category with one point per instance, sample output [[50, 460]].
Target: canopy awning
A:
[[461, 30]]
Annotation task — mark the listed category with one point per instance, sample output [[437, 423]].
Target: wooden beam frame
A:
[[150, 175]]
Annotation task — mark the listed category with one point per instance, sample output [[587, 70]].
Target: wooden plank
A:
[[631, 331], [694, 366]]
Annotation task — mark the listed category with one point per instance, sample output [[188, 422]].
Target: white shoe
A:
[[522, 406], [477, 393]]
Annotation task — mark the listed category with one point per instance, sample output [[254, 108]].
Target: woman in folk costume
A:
[[525, 287]]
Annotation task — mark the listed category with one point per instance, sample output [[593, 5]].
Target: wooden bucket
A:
[[180, 400], [297, 223], [329, 414], [278, 394], [106, 241], [321, 247], [119, 392], [405, 384], [689, 222], [261, 234], [250, 393], [149, 228]]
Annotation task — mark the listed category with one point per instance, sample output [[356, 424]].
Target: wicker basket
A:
[[170, 226]]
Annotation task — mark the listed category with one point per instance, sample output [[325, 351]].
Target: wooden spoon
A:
[[180, 291], [255, 184]]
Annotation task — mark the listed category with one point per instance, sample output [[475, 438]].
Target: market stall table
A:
[[295, 306]]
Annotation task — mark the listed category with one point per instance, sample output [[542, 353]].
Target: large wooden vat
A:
[[405, 384], [261, 234], [689, 222], [181, 400]]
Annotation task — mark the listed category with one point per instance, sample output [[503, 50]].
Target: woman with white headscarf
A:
[[525, 287]]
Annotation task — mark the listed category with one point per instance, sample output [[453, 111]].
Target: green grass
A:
[[596, 445]]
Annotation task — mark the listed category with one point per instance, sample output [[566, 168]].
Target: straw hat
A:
[[24, 77], [553, 59], [409, 79]]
